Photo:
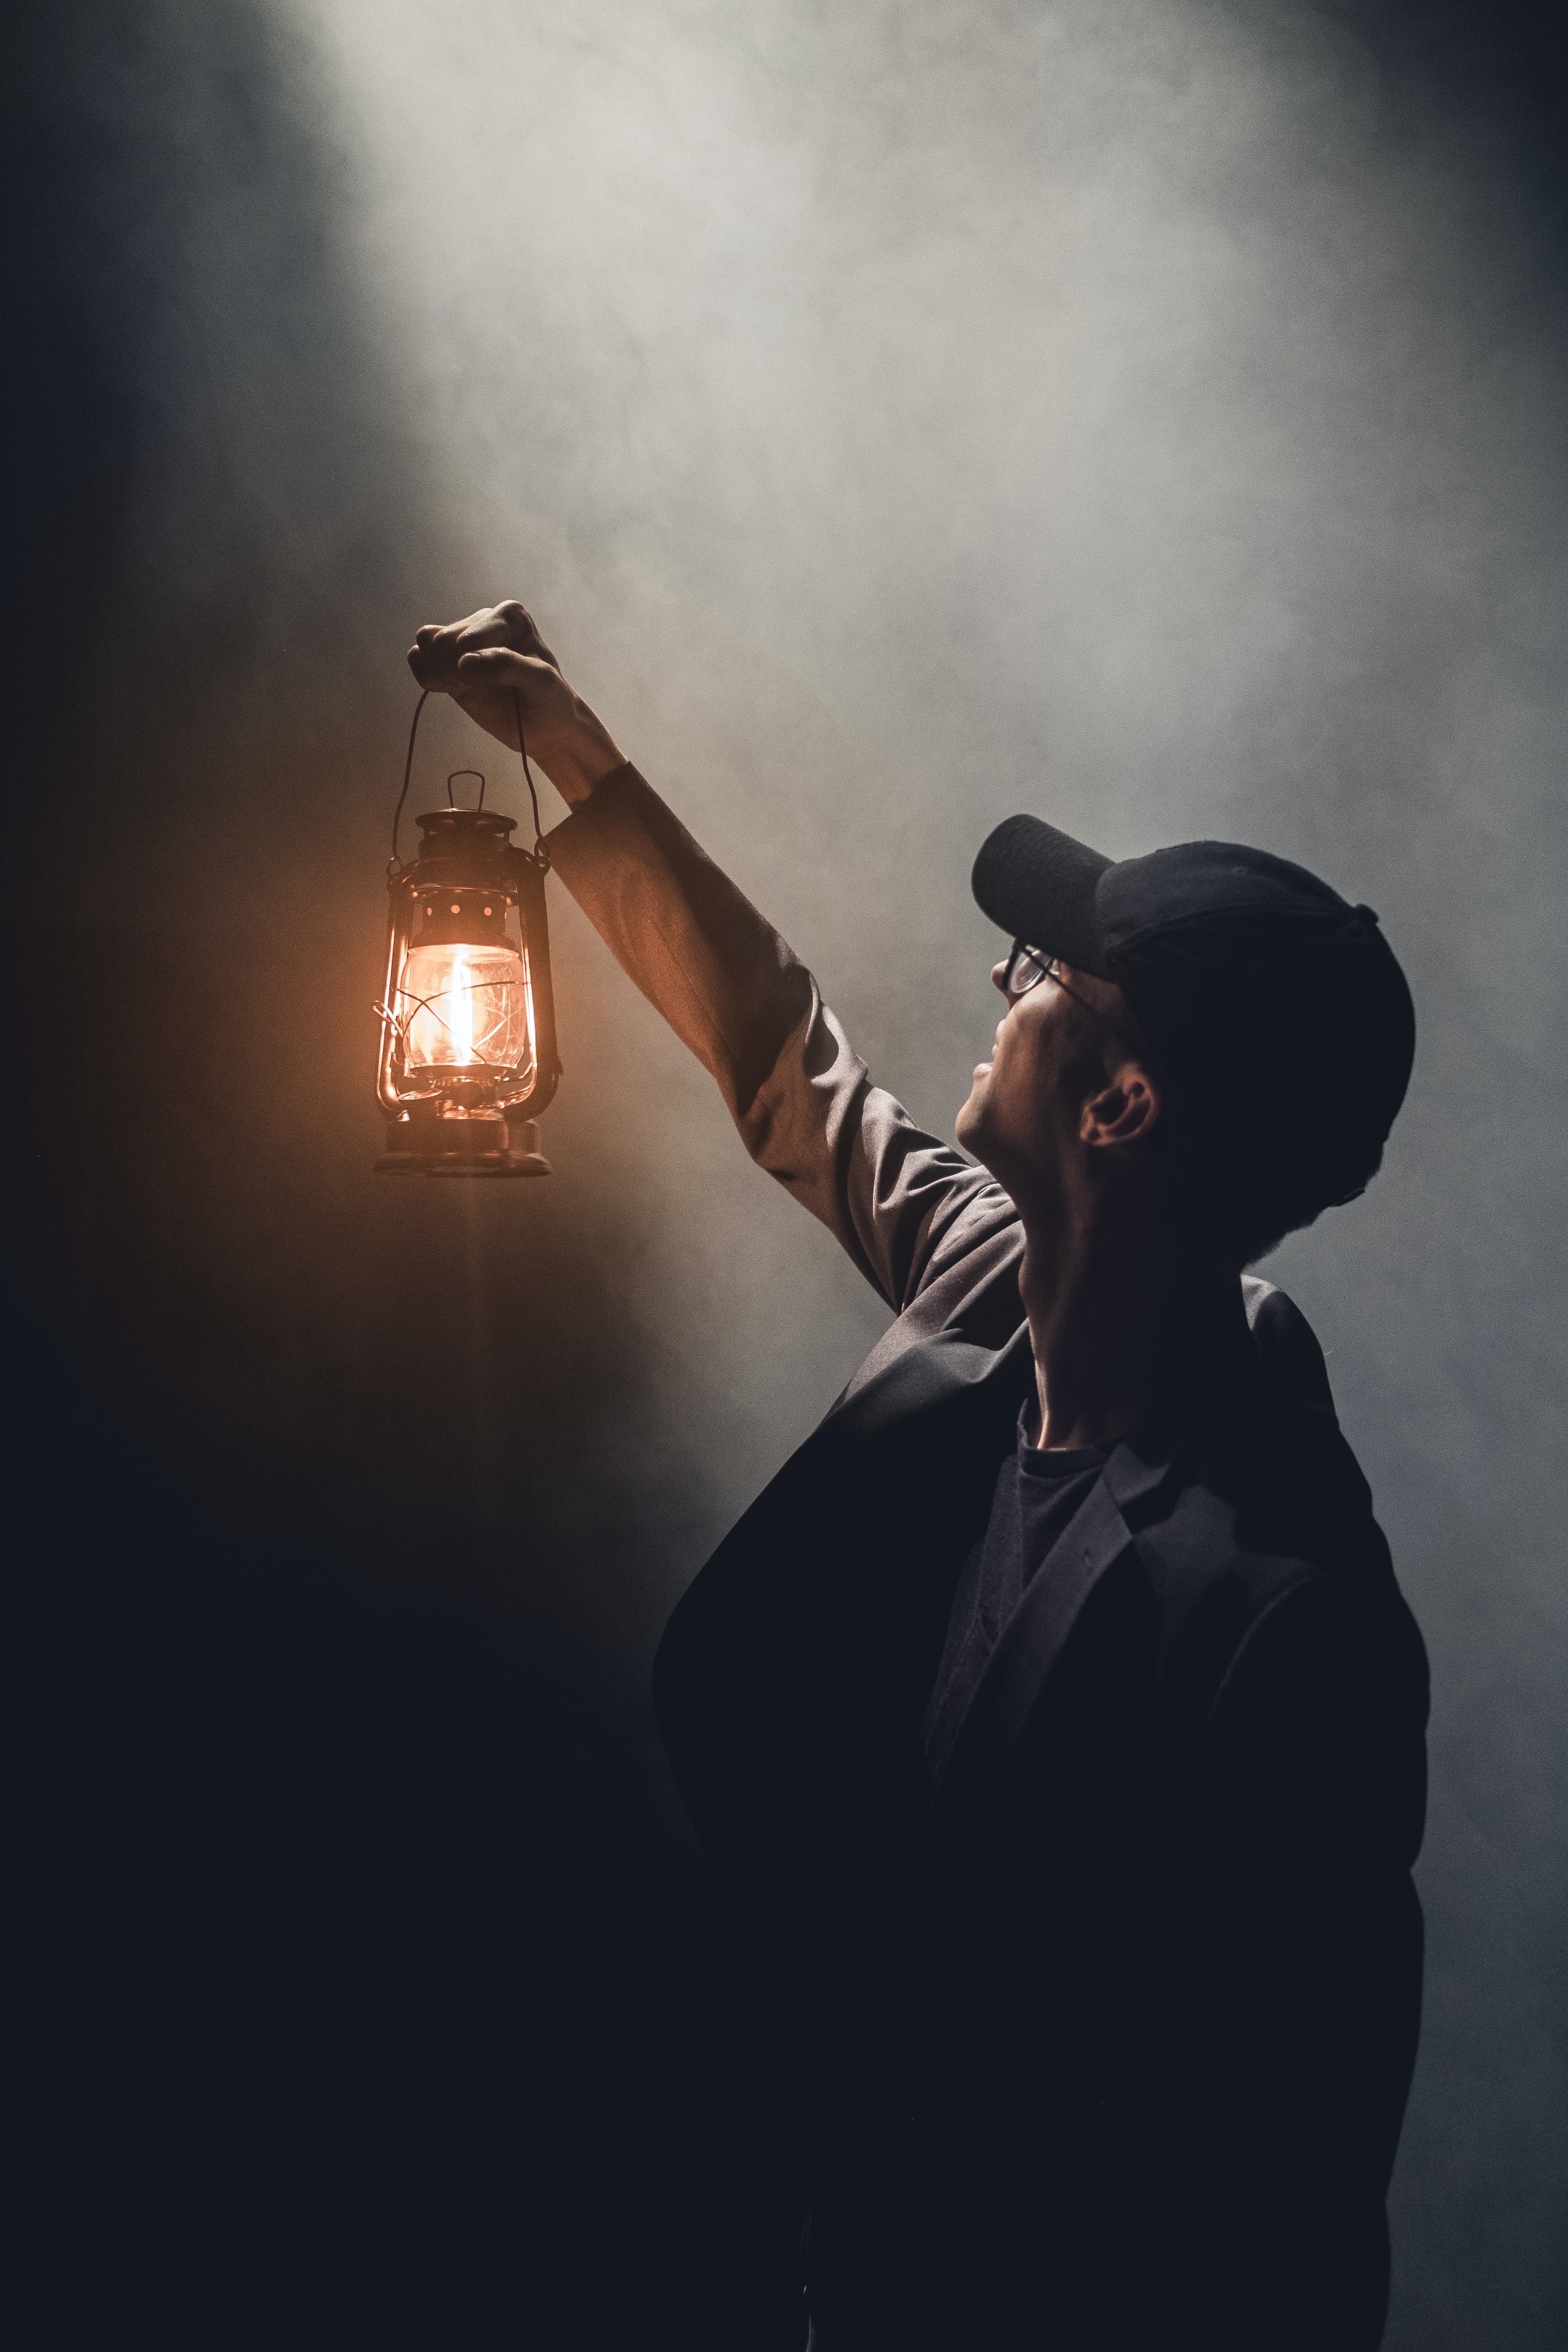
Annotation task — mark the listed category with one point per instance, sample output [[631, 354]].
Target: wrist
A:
[[578, 757]]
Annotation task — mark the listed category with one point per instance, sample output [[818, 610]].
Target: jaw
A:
[[982, 1134], [971, 1124], [1027, 1159]]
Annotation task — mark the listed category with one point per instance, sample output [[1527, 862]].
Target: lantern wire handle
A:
[[540, 851], [396, 866]]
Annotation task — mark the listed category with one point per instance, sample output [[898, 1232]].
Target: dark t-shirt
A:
[[1036, 1495]]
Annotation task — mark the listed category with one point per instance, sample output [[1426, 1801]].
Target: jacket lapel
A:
[[1099, 1534], [1037, 1632], [793, 1676], [1035, 1636]]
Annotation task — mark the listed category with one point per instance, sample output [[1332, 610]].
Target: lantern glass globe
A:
[[464, 1006]]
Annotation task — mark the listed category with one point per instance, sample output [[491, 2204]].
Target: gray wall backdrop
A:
[[896, 414]]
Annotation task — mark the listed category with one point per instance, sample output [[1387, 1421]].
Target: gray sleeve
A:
[[906, 1207]]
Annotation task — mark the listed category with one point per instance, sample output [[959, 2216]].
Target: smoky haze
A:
[[895, 415]]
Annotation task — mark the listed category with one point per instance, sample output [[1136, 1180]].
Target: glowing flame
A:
[[461, 1009]]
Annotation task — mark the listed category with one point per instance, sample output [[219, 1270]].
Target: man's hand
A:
[[495, 661]]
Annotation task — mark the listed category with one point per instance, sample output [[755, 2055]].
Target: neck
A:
[[1113, 1310]]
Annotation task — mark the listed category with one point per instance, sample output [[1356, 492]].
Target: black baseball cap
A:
[[1234, 963]]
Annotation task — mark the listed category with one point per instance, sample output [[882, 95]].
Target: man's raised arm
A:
[[905, 1206]]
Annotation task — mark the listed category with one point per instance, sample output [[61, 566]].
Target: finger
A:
[[500, 688], [508, 625], [424, 659], [501, 666], [433, 655], [526, 636]]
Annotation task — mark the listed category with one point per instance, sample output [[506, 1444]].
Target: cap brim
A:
[[1039, 885]]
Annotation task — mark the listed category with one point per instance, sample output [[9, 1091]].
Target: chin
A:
[[969, 1126]]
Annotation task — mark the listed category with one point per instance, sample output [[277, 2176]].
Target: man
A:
[[1053, 1719]]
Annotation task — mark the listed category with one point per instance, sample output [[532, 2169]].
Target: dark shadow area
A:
[[373, 1991], [372, 1994]]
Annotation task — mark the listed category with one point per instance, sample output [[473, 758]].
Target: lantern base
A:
[[426, 1145]]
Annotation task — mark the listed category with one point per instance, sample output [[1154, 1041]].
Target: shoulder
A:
[[1266, 1556], [1288, 1356]]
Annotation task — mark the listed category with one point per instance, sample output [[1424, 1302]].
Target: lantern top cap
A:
[[466, 822]]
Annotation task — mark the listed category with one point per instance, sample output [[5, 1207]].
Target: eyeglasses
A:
[[1028, 966]]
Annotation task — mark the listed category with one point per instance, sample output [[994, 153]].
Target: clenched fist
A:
[[495, 663]]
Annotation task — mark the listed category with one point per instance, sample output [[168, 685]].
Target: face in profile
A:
[[1061, 1080]]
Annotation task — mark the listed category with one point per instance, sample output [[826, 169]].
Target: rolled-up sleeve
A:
[[903, 1205]]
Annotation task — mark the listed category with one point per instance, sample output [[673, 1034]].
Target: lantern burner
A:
[[447, 1140]]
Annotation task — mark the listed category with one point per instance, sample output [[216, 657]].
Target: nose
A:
[[999, 975]]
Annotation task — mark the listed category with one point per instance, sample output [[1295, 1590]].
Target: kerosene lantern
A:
[[467, 1017]]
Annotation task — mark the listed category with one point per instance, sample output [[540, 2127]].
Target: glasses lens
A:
[[1028, 969]]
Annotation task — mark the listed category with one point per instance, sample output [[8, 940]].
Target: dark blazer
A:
[[1106, 2035]]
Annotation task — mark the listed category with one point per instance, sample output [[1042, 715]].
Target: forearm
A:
[[728, 985], [740, 998]]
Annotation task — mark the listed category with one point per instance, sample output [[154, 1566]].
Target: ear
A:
[[1126, 1109]]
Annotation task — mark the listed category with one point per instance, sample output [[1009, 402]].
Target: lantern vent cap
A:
[[461, 823]]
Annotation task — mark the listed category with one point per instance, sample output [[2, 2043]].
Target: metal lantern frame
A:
[[471, 1118]]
